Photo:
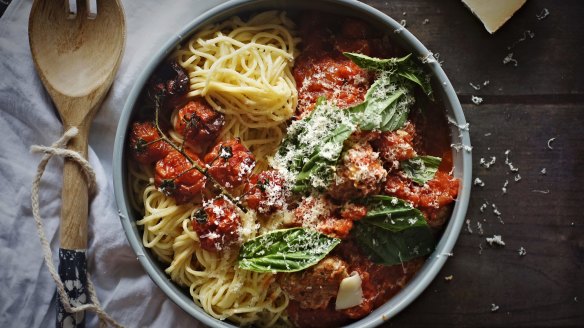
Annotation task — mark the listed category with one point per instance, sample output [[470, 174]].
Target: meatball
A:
[[432, 198], [199, 124], [396, 146], [314, 287], [230, 163], [359, 174], [145, 144], [217, 224], [320, 214], [177, 177], [266, 192]]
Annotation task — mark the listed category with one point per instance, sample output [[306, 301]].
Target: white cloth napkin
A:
[[27, 117]]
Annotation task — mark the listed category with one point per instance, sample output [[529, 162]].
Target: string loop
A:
[[59, 149]]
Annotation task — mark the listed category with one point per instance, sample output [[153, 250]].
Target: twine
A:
[[59, 149]]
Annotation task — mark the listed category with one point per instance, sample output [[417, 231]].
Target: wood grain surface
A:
[[523, 107]]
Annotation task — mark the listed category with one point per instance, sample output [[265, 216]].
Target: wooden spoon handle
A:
[[73, 234]]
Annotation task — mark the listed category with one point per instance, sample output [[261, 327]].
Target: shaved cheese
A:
[[350, 292], [494, 13]]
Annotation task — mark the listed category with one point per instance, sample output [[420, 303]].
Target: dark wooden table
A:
[[523, 107]]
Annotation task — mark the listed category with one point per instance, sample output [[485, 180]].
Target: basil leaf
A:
[[393, 231], [392, 214], [313, 146], [421, 169], [390, 248], [384, 107], [286, 250], [404, 67]]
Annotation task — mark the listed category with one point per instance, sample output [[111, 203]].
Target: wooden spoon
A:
[[76, 61]]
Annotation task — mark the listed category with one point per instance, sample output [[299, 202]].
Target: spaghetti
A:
[[243, 69]]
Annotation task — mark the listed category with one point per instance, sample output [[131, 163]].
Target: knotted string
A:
[[59, 149]]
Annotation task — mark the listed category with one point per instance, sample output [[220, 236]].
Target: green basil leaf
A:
[[421, 169], [313, 146], [404, 67], [377, 64], [392, 214], [286, 250], [391, 248]]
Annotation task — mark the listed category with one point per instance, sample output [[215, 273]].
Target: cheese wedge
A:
[[350, 292], [494, 13]]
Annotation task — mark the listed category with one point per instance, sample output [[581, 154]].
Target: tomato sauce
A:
[[323, 71]]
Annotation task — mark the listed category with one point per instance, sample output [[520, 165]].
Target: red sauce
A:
[[323, 71]]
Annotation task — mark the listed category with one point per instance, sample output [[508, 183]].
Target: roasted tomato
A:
[[199, 124], [265, 192], [217, 225], [177, 177], [169, 79], [230, 163], [432, 198], [145, 144]]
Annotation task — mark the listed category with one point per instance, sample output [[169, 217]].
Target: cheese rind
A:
[[494, 13], [350, 292]]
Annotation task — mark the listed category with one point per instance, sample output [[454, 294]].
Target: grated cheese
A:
[[543, 171], [508, 162], [517, 177], [549, 143], [522, 251], [478, 182], [468, 228], [495, 240], [504, 188], [476, 100], [494, 307], [544, 13], [509, 59], [449, 278], [426, 21], [488, 164]]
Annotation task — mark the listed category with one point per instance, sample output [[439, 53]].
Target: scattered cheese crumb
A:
[[403, 23], [526, 34], [543, 171], [488, 134], [522, 251], [476, 100], [544, 13], [486, 83], [404, 13], [504, 189], [483, 207], [480, 228], [541, 191], [478, 182], [480, 248], [449, 278], [508, 162], [476, 87], [488, 164], [549, 143], [496, 239], [426, 21], [494, 307], [468, 228], [517, 177], [429, 58], [459, 146], [509, 58], [496, 210]]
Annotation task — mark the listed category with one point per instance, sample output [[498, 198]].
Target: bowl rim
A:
[[463, 167]]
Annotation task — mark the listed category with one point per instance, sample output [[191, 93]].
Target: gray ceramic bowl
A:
[[442, 86]]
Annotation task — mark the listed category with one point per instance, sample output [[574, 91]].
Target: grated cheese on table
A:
[[495, 240]]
